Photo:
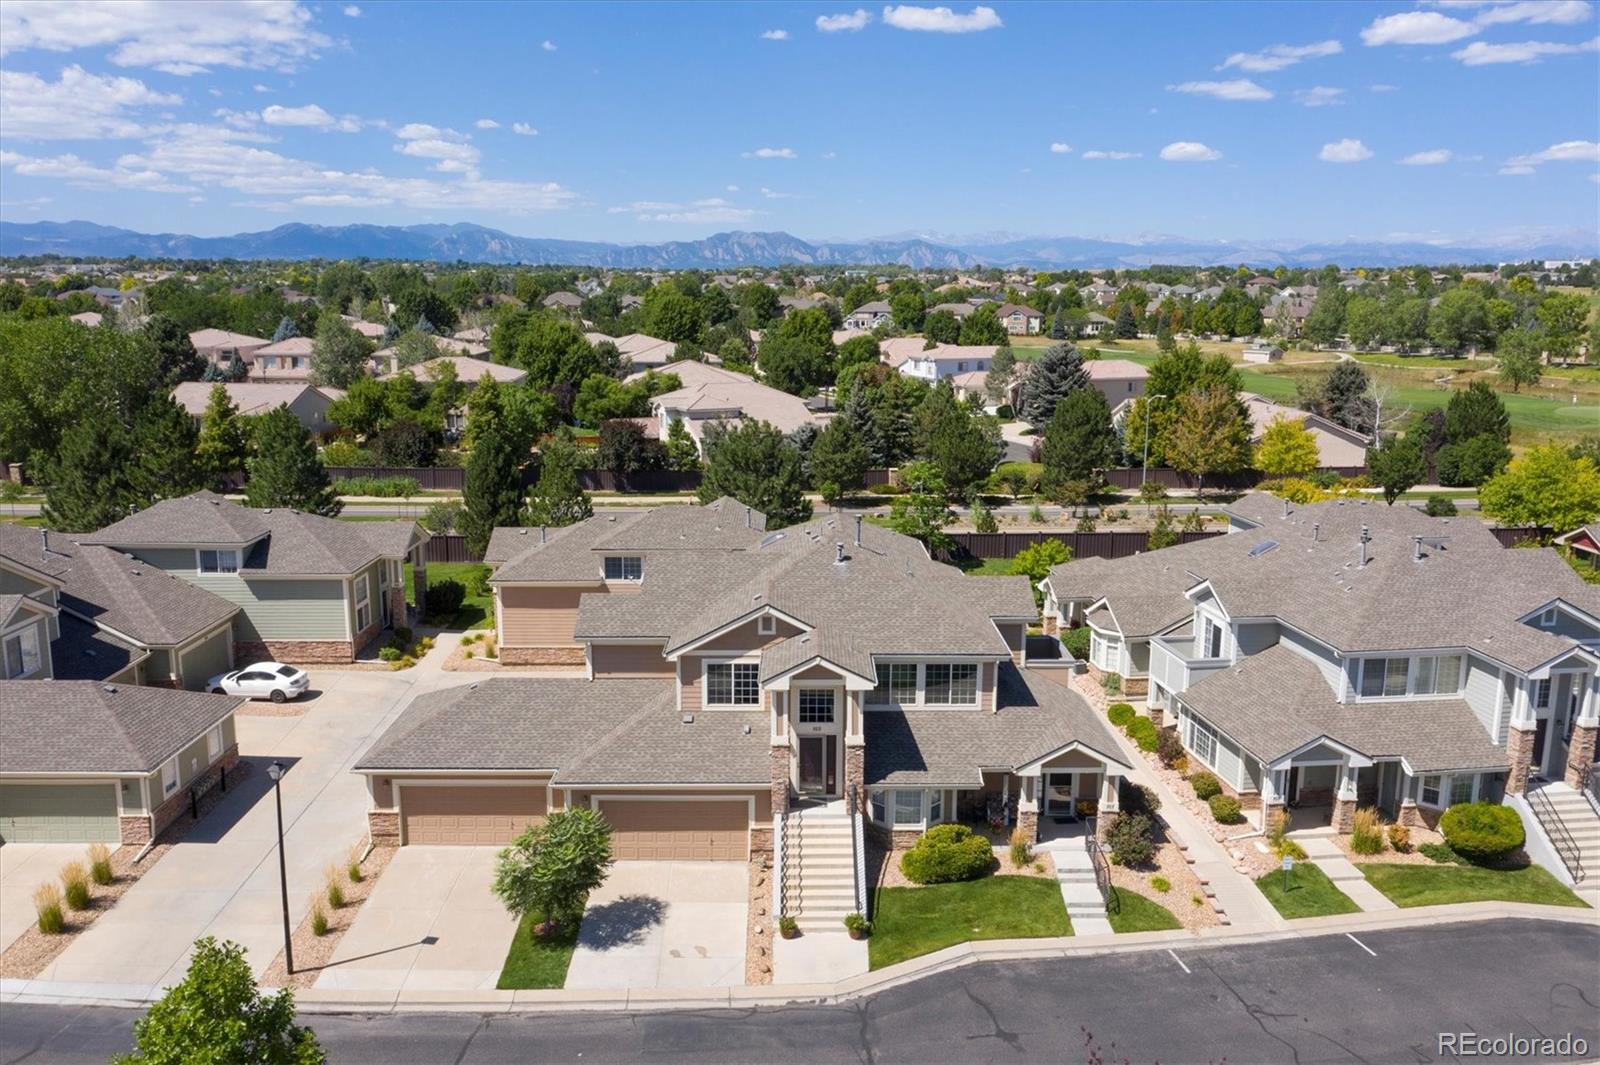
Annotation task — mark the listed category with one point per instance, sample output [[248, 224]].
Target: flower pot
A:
[[788, 933], [857, 933]]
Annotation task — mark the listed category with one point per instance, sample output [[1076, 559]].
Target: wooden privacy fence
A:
[[1114, 543], [1132, 476]]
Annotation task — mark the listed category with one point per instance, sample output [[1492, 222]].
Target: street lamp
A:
[[275, 771], [1149, 401]]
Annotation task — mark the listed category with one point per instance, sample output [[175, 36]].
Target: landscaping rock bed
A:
[[1390, 856], [313, 952], [1179, 898], [759, 921], [458, 662]]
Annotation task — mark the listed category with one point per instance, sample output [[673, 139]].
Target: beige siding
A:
[[986, 678], [746, 639], [689, 671], [817, 673], [628, 660], [1015, 636], [541, 616]]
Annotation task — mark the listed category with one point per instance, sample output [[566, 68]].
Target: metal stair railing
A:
[[1560, 835], [1591, 786], [793, 826], [1102, 870], [858, 853]]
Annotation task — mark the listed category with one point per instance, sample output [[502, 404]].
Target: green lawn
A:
[[1584, 566], [1435, 885], [1310, 893], [477, 611], [1140, 914], [989, 567], [910, 922], [536, 963]]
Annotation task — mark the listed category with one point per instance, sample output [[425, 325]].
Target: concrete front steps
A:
[[1075, 874], [1580, 820], [822, 877]]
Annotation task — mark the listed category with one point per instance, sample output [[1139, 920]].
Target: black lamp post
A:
[[275, 771]]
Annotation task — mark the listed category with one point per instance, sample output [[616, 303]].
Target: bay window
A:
[[908, 807]]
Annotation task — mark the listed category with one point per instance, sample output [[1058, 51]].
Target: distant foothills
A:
[[479, 244]]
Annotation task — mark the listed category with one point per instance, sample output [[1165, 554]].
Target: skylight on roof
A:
[[771, 538], [1262, 548]]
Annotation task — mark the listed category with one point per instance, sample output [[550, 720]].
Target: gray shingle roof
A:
[[58, 726], [118, 591], [573, 553], [83, 652], [1278, 701], [1036, 718]]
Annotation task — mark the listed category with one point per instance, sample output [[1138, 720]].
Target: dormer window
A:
[[624, 568], [222, 560]]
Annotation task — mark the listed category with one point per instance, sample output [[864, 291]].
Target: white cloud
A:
[[1431, 157], [771, 153], [1416, 27], [1557, 12], [713, 209], [1479, 53], [240, 120], [548, 46], [1348, 150], [855, 20], [1060, 149], [352, 11], [733, 188], [77, 106], [75, 171], [311, 116], [1098, 154], [1189, 152], [775, 35], [181, 39], [940, 19], [487, 123], [1237, 89], [1318, 96], [450, 149], [1565, 152], [1517, 170], [830, 155], [1279, 56], [523, 129], [774, 194], [258, 87]]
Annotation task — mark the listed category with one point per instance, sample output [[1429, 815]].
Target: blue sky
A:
[[641, 122]]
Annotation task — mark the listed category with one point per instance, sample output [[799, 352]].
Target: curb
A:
[[629, 1000]]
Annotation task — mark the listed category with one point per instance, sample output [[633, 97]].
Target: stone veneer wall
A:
[[780, 779], [139, 829], [303, 651], [1248, 800], [1580, 755], [384, 826], [541, 656], [1519, 750]]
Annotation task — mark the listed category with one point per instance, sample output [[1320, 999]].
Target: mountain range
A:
[[480, 244]]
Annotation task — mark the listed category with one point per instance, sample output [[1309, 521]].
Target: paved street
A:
[[1323, 999]]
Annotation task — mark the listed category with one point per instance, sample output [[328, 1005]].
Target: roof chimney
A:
[[1416, 548], [858, 530], [1366, 538], [838, 549]]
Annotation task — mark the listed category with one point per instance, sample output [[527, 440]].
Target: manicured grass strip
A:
[[1137, 913], [1435, 885], [477, 611], [1309, 894], [990, 567], [914, 921], [537, 962]]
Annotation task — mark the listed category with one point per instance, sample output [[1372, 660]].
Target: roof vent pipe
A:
[[747, 522], [858, 530], [45, 535], [1286, 507], [1366, 538], [541, 534], [1416, 548], [839, 551], [1316, 532]]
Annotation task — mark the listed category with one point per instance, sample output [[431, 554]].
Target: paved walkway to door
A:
[[664, 924], [1327, 856]]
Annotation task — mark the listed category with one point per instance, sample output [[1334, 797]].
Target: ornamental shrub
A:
[[47, 904], [945, 853], [1120, 714], [1137, 798], [1366, 834], [1439, 852], [1131, 839], [1143, 731], [1482, 831], [75, 885], [1169, 748], [1439, 506], [1076, 641], [1225, 808], [1400, 838], [1021, 849], [100, 864], [445, 598], [1205, 784]]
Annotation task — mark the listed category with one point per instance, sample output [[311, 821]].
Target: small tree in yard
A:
[[1548, 486], [557, 498], [217, 1016], [552, 867], [1397, 468], [1287, 448], [1036, 560], [922, 511]]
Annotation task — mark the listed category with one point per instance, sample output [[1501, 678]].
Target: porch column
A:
[[1028, 807], [1586, 731], [1344, 806], [1272, 800], [1519, 742], [1410, 816], [1109, 806]]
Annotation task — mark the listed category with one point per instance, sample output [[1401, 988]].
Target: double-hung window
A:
[[363, 603], [897, 684], [1213, 639], [1203, 741], [219, 561], [733, 683], [951, 684], [1431, 785], [624, 568], [22, 653]]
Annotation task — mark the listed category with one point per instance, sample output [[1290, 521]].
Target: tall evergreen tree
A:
[[1058, 326], [1054, 374], [286, 329], [997, 382], [857, 410], [179, 360], [682, 454], [1127, 326], [223, 446], [1343, 397], [754, 464], [1475, 411], [285, 470], [166, 462], [89, 482], [492, 490], [839, 460], [557, 499], [1079, 439]]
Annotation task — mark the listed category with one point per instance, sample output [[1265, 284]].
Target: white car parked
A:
[[263, 680]]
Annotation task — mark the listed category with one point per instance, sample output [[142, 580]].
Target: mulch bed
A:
[[760, 922], [33, 951], [311, 951]]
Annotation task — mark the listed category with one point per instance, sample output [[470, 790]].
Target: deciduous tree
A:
[[1209, 434], [553, 866], [223, 446], [339, 353], [1397, 467], [1287, 449], [285, 470], [557, 499], [1546, 487]]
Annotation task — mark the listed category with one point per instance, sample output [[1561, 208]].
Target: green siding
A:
[[374, 594], [192, 762], [271, 609], [132, 796], [159, 665], [59, 813], [230, 734], [206, 659]]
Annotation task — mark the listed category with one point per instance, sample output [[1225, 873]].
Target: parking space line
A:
[[1179, 960], [1360, 944]]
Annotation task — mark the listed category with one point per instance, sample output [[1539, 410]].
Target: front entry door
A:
[[819, 774], [1540, 729]]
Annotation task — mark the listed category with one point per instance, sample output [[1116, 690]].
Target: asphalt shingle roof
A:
[[74, 726], [83, 652]]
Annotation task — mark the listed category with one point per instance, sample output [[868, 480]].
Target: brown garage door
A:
[[678, 830], [469, 815]]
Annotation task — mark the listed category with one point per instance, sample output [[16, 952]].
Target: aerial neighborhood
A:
[[810, 605]]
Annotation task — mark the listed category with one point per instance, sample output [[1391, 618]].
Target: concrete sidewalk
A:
[[1326, 855]]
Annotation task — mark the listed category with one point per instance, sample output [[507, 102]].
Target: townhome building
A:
[[911, 357], [869, 315], [1347, 654], [721, 675]]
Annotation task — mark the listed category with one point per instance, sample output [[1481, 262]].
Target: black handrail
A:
[[1102, 870], [1591, 786], [1560, 837]]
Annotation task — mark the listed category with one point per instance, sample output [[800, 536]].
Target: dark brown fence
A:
[[1132, 477], [1512, 535], [453, 478], [449, 547], [647, 481], [1117, 543], [432, 478]]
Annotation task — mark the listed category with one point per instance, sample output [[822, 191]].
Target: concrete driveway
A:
[[664, 924], [223, 879], [23, 867], [430, 924]]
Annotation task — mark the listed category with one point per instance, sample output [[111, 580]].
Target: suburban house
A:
[[1584, 541], [88, 318], [869, 315], [469, 371], [1119, 380], [222, 348], [308, 588], [1102, 294], [566, 301], [957, 310], [1337, 447], [305, 401], [1349, 653], [711, 394], [1020, 320], [1096, 323], [112, 617], [911, 357], [640, 351], [287, 360], [729, 670], [370, 330], [386, 361]]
